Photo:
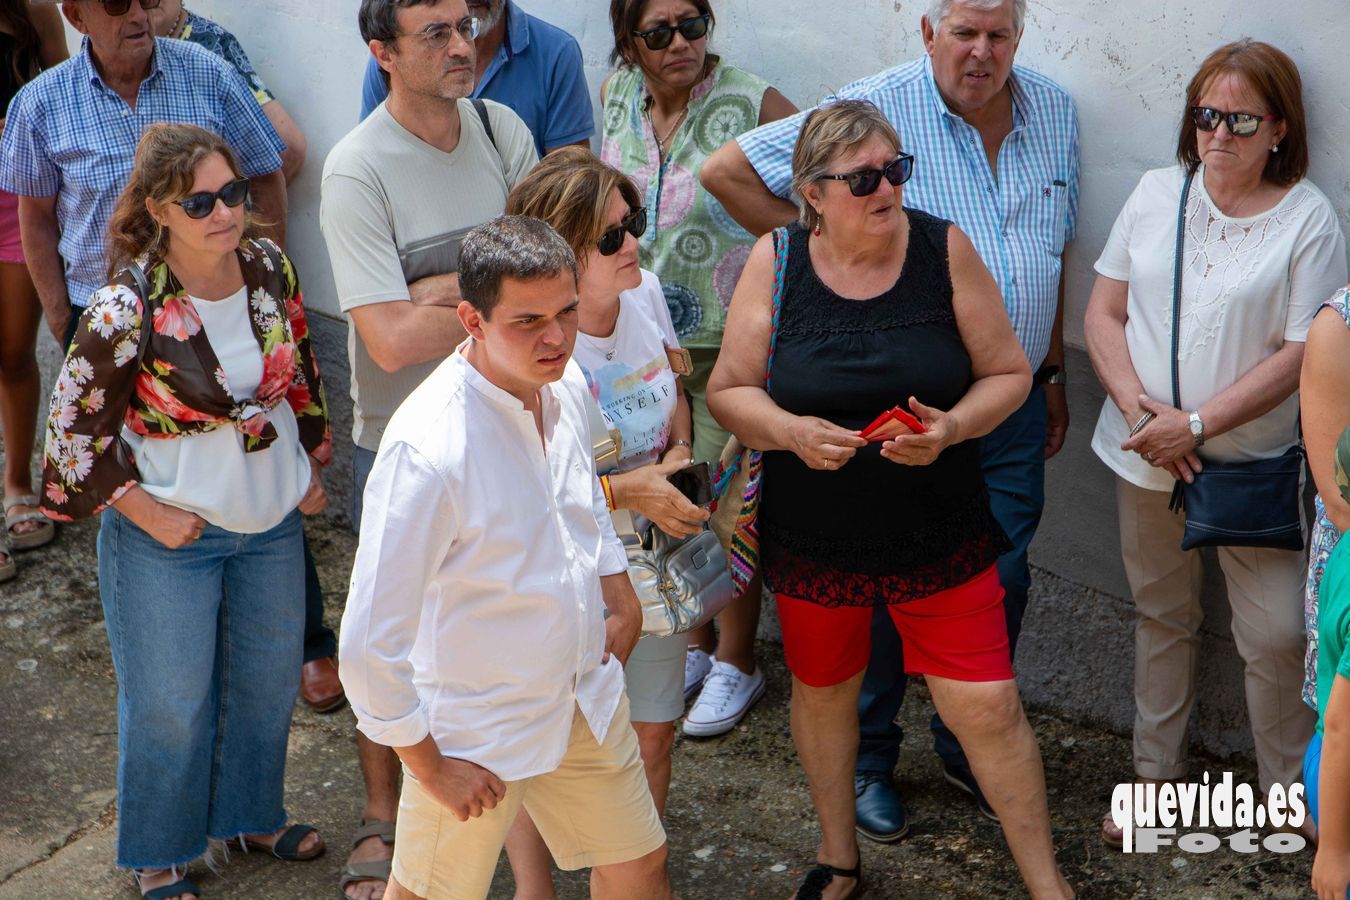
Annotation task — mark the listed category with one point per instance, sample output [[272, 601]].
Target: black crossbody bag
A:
[[1249, 504]]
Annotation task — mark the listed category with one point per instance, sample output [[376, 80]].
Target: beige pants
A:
[[593, 810], [1265, 591]]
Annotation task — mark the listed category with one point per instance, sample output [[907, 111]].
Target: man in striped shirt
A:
[[996, 152]]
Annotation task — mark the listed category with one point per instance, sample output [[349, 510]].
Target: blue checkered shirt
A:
[[70, 135], [1018, 222]]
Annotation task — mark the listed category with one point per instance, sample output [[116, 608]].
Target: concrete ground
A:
[[740, 820]]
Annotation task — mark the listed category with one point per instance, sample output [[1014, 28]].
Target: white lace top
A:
[[1248, 285]]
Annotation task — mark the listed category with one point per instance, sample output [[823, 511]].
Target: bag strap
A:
[[1178, 501], [481, 108], [729, 465], [142, 291], [1176, 287], [781, 246]]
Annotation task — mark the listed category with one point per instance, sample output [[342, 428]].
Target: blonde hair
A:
[[569, 190], [830, 131], [166, 159]]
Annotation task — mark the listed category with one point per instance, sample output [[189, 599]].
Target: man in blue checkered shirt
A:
[[996, 151], [71, 135]]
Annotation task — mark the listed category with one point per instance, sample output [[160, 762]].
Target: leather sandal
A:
[[165, 891], [27, 540], [287, 847], [375, 869], [813, 887]]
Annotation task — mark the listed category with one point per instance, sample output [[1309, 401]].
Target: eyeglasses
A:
[[863, 182], [635, 223], [659, 38], [120, 7], [437, 36], [201, 205], [1240, 124]]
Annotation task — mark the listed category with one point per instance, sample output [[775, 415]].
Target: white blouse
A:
[[1248, 285], [210, 474]]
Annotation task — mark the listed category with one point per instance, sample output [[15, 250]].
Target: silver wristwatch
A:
[[1197, 428], [1060, 377]]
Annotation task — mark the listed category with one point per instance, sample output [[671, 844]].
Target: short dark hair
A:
[[519, 247], [378, 21], [624, 16], [1270, 74]]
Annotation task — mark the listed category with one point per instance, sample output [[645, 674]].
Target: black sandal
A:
[[813, 888], [164, 891], [287, 847]]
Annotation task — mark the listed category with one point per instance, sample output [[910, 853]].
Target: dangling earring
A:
[[819, 220]]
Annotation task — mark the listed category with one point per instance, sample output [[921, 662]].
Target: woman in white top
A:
[[623, 335], [1262, 250], [189, 412]]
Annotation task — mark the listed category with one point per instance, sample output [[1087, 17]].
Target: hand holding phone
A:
[[694, 481]]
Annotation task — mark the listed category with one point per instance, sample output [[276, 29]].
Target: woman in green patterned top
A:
[[667, 107]]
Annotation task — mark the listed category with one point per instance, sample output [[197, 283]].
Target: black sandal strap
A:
[[819, 877], [289, 843], [179, 887]]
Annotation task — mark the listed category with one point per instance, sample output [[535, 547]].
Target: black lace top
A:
[[873, 532]]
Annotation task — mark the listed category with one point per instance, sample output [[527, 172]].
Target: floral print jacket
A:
[[167, 382]]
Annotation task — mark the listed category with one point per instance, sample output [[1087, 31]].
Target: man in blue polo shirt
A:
[[996, 152], [71, 136], [524, 63]]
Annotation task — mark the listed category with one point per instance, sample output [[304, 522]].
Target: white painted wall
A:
[[1126, 64]]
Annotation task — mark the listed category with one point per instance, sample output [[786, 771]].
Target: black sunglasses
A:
[[659, 38], [863, 182], [635, 223], [200, 205], [1240, 124], [120, 7]]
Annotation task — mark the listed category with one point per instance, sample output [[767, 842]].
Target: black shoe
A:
[[881, 813], [961, 777]]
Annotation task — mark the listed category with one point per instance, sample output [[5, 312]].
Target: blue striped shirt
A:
[[70, 135], [1018, 221]]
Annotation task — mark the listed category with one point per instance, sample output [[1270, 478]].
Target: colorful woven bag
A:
[[744, 550]]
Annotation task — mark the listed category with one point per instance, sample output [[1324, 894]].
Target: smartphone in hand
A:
[[695, 482]]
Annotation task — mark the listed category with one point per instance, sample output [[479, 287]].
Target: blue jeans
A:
[[1013, 457], [201, 748]]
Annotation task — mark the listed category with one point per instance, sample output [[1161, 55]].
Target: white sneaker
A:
[[697, 664], [728, 693]]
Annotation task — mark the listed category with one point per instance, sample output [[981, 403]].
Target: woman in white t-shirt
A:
[[1262, 250], [624, 339]]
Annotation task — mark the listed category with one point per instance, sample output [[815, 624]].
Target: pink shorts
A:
[[11, 248]]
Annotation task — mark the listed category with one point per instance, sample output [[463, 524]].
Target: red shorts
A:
[[960, 633]]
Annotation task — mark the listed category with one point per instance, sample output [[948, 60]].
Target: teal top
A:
[[1333, 600], [692, 243]]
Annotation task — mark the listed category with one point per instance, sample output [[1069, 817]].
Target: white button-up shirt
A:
[[475, 613]]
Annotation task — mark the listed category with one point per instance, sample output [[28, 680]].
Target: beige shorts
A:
[[593, 810]]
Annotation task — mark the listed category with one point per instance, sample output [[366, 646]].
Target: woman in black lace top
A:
[[882, 306]]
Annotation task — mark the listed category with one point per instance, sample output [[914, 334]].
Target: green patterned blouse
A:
[[692, 243]]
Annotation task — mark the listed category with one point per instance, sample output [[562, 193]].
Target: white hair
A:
[[938, 10]]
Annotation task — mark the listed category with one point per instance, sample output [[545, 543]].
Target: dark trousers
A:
[[1013, 458], [320, 642]]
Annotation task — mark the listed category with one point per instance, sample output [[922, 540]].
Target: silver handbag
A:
[[682, 583]]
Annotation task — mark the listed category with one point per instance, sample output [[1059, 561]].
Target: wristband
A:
[[609, 492]]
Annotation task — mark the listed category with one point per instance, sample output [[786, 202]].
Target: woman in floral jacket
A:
[[190, 414]]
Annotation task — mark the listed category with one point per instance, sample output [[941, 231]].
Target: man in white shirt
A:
[[399, 193], [475, 641]]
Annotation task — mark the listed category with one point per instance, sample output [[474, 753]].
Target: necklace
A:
[[662, 141]]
